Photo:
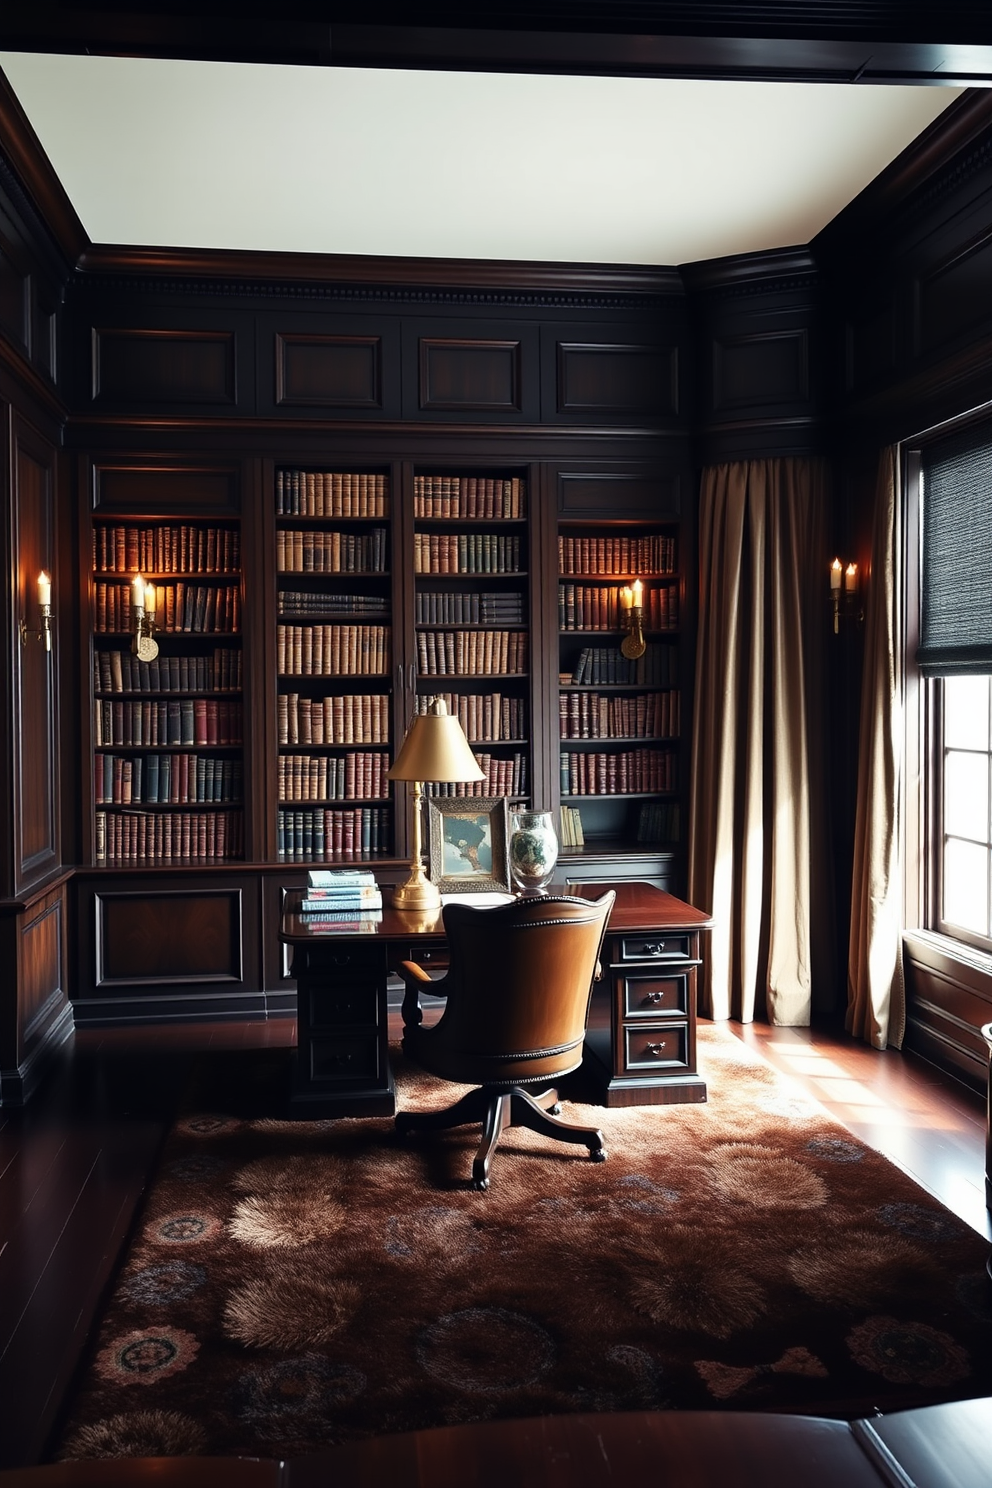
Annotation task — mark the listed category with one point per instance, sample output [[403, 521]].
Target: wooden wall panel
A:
[[138, 367], [35, 1016], [465, 375], [36, 835], [43, 979], [14, 290], [954, 297], [165, 489], [870, 350], [324, 371], [169, 936], [760, 370], [600, 380], [643, 495]]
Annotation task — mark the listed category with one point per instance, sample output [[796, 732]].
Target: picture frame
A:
[[467, 844]]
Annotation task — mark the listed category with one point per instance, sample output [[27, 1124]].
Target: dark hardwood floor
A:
[[75, 1161]]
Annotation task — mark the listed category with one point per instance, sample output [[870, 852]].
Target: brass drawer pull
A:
[[654, 948], [655, 1050], [655, 998]]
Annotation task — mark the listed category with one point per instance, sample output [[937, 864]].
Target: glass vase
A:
[[533, 850]]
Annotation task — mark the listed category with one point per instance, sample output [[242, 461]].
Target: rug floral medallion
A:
[[293, 1285]]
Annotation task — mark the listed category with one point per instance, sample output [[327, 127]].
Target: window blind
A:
[[956, 591]]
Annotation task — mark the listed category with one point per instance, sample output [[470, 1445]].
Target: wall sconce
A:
[[144, 603], [844, 595], [45, 609], [633, 644]]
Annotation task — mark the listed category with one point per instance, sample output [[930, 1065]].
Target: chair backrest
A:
[[519, 982]]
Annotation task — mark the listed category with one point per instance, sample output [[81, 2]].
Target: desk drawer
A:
[[655, 996], [654, 948], [335, 1005], [343, 1058], [430, 957], [665, 1048]]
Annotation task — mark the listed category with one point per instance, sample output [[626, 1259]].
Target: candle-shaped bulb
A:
[[835, 573], [638, 588], [151, 600], [851, 578], [44, 589], [626, 597], [138, 588]]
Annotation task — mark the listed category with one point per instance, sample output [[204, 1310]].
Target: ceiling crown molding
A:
[[30, 176]]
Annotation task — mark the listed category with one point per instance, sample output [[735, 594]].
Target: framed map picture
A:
[[466, 837]]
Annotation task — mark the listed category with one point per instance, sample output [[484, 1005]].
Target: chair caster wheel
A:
[[554, 1110], [598, 1154], [480, 1184]]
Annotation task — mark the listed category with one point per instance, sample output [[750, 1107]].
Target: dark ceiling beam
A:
[[816, 40]]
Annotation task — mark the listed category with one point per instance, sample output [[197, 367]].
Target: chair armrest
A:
[[414, 978]]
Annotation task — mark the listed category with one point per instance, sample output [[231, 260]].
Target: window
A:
[[963, 838], [954, 658]]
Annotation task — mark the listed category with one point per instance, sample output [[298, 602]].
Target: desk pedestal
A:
[[342, 1062]]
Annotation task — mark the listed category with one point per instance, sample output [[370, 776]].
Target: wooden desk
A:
[[641, 1040]]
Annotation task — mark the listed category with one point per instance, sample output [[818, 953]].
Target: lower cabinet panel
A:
[[38, 1018], [168, 946]]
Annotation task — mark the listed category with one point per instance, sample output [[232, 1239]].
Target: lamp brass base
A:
[[417, 893]]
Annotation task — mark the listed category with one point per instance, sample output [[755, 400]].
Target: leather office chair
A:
[[518, 989]]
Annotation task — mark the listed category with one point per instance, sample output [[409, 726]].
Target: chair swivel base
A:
[[496, 1110]]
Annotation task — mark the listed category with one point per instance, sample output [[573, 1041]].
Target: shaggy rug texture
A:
[[292, 1285]]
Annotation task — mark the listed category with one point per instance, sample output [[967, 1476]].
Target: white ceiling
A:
[[456, 165]]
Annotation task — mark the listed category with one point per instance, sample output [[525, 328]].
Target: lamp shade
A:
[[435, 748]]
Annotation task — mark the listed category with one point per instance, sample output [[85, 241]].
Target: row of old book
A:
[[485, 717], [359, 775], [503, 775], [625, 557], [178, 721], [597, 607], [594, 715], [148, 837], [317, 833], [332, 552], [201, 608], [345, 718], [571, 833], [605, 666], [625, 772], [332, 650], [658, 821], [469, 607], [331, 493], [121, 671], [471, 653], [165, 548], [469, 496], [166, 779], [465, 553], [314, 602]]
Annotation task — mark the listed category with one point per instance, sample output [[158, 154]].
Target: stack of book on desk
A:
[[345, 897]]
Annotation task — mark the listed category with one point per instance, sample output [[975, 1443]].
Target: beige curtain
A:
[[755, 793], [876, 1008]]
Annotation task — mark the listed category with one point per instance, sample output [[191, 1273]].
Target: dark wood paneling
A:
[[43, 978], [165, 489], [469, 376], [168, 936], [598, 380], [617, 494], [760, 370], [871, 343], [329, 371], [14, 287], [955, 297], [948, 1000], [193, 368], [36, 836]]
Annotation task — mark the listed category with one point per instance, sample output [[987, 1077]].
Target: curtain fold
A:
[[756, 743], [876, 1010]]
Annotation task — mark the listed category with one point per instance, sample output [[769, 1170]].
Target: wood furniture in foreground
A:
[[640, 1046], [940, 1446]]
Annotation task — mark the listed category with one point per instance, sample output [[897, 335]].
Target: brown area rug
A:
[[294, 1285]]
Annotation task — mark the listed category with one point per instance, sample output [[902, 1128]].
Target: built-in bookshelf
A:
[[471, 622], [619, 719], [168, 732], [334, 661]]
